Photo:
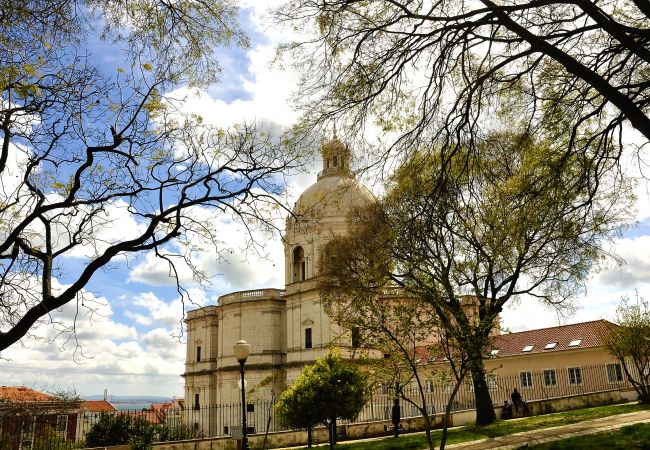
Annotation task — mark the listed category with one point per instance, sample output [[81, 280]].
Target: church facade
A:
[[286, 328], [290, 328]]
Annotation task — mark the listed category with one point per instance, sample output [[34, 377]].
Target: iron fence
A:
[[532, 385], [29, 432]]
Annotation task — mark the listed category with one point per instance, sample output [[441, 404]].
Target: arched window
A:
[[299, 264]]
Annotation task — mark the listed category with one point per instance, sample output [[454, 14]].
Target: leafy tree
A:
[[297, 406], [512, 220], [629, 341], [84, 142], [120, 429], [110, 429], [398, 326], [439, 71], [326, 391]]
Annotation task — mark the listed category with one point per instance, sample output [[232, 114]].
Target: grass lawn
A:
[[499, 428], [630, 437]]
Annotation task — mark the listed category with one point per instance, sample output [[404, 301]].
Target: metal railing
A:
[[217, 420]]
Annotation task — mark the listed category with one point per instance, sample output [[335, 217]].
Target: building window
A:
[[299, 264], [550, 378], [27, 432], [614, 373], [429, 385], [492, 381], [198, 353], [197, 401], [526, 379], [575, 375], [356, 337], [575, 342], [527, 348], [550, 345], [308, 343], [62, 423]]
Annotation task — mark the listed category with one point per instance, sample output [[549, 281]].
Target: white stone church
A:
[[289, 328], [286, 329]]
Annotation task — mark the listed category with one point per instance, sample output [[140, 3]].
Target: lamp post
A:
[[242, 350]]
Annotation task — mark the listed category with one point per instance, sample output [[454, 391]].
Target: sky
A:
[[133, 344]]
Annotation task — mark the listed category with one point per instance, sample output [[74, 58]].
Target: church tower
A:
[[319, 215], [286, 329]]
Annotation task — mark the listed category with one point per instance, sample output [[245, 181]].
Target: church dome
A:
[[332, 196], [337, 191]]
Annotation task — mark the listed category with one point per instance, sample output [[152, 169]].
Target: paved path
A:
[[522, 440]]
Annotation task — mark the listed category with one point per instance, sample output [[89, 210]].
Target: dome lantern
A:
[[321, 212], [336, 158]]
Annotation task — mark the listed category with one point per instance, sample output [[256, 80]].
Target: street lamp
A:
[[242, 350]]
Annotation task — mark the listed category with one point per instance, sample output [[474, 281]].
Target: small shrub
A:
[[120, 429], [49, 439], [179, 433]]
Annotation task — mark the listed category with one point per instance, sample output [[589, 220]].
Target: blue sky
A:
[[131, 346]]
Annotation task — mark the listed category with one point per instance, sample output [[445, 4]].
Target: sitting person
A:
[[506, 412]]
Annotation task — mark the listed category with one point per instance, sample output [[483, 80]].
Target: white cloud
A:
[[11, 178], [112, 225], [604, 291], [236, 263], [269, 93], [159, 311], [138, 318], [111, 354], [636, 270]]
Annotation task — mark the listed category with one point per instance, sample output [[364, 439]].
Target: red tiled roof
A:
[[23, 394], [589, 334], [175, 403], [161, 406], [148, 415], [98, 406]]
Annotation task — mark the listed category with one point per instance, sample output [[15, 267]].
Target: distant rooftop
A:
[[553, 339], [98, 406], [542, 340], [21, 394]]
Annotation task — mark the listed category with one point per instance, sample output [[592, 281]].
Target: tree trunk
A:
[[484, 408], [445, 425], [332, 432], [427, 430], [446, 420], [310, 438], [640, 385]]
